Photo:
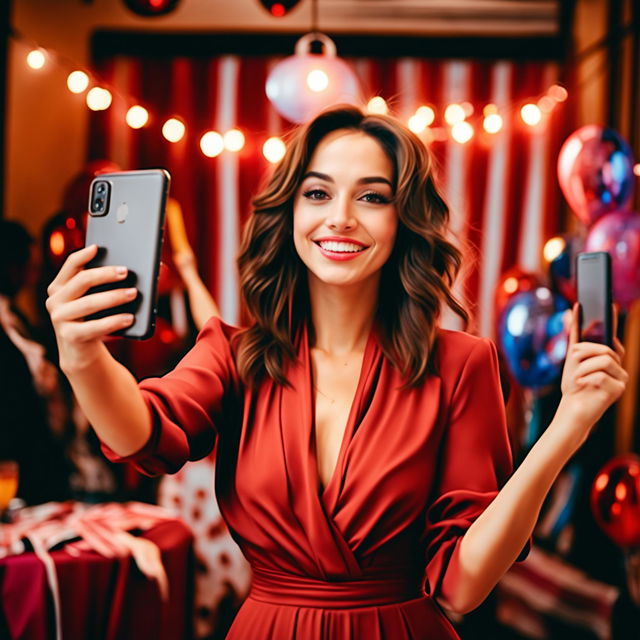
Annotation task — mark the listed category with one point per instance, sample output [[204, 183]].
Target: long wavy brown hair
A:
[[415, 280]]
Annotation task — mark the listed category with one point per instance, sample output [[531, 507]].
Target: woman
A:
[[362, 451]]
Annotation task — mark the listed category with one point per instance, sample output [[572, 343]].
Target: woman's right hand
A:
[[79, 340]]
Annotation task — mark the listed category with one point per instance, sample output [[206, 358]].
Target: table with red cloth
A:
[[100, 597]]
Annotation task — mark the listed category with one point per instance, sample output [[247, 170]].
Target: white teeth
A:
[[341, 247]]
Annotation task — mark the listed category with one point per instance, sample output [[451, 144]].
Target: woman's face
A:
[[344, 216]]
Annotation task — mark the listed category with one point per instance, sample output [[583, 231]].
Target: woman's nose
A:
[[341, 215]]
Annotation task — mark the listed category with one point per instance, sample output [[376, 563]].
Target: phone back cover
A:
[[131, 234]]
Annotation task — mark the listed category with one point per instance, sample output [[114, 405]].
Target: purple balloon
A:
[[595, 170], [619, 234]]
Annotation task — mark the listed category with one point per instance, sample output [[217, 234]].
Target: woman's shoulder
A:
[[454, 348]]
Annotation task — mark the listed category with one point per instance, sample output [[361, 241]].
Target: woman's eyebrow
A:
[[366, 180]]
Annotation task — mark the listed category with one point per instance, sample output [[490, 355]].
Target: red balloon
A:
[[615, 500], [619, 234], [513, 281]]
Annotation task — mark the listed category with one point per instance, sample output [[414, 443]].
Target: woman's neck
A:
[[342, 316]]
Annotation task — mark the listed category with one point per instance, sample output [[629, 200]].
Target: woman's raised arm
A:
[[105, 390], [593, 379]]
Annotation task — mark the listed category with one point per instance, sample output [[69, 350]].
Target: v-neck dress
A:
[[366, 557]]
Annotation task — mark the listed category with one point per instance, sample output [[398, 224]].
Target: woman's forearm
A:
[[201, 302], [109, 396], [494, 541]]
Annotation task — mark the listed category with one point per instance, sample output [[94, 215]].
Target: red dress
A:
[[364, 558]]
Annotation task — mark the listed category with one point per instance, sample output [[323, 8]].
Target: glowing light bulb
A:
[[453, 114], [492, 123], [416, 124], [77, 81], [510, 285], [36, 59], [274, 149], [98, 99], [467, 107], [636, 169], [212, 144], [317, 80], [137, 117], [558, 93], [553, 248], [234, 140], [546, 104], [56, 243], [531, 114], [621, 491], [462, 132], [489, 109], [377, 105], [173, 129]]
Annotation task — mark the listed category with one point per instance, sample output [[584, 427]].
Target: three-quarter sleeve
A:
[[475, 462], [186, 405]]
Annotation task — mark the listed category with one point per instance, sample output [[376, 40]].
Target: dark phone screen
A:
[[594, 297]]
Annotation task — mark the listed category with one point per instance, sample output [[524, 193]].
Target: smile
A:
[[336, 250]]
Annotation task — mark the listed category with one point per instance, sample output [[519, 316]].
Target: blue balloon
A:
[[532, 336]]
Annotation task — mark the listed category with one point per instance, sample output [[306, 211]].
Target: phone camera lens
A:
[[100, 188]]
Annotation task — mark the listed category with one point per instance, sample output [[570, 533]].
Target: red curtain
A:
[[502, 189]]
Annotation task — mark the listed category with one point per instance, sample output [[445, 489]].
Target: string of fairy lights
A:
[[99, 97]]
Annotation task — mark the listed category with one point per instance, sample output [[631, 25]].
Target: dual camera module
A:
[[99, 199]]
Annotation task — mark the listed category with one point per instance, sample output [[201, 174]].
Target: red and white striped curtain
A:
[[502, 189]]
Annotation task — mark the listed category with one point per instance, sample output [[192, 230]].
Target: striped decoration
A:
[[502, 189]]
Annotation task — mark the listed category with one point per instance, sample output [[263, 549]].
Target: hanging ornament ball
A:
[[618, 233], [303, 84], [615, 500], [595, 170], [279, 8], [151, 7]]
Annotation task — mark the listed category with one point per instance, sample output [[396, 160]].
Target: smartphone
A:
[[593, 280], [126, 221]]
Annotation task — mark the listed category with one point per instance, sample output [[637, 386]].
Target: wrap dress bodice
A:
[[365, 557]]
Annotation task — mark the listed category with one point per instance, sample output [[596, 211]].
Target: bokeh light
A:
[[531, 114], [77, 81], [36, 59], [98, 99], [234, 140], [378, 105], [454, 113], [137, 117], [212, 144], [274, 149], [462, 132], [173, 130]]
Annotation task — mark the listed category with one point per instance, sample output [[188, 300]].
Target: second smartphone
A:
[[593, 284]]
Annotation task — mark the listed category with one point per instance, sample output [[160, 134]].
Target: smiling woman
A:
[[363, 461], [366, 180]]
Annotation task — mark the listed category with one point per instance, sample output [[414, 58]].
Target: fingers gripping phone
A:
[[593, 279], [126, 222]]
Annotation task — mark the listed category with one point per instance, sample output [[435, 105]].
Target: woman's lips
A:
[[340, 255]]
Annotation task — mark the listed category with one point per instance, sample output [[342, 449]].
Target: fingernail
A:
[[130, 292], [121, 271]]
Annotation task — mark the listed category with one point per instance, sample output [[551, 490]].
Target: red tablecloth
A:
[[100, 598]]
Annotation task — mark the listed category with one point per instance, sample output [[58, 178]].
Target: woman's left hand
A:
[[593, 378]]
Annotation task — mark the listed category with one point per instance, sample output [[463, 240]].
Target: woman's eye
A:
[[315, 194], [375, 197]]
